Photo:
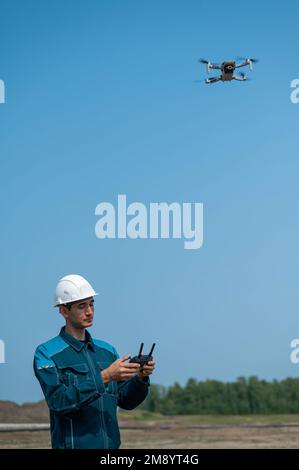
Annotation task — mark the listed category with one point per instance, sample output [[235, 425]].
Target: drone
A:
[[227, 70]]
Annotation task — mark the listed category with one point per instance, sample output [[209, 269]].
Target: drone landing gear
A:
[[212, 80], [240, 78]]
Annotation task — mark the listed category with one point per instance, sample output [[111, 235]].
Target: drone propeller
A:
[[254, 61], [206, 62]]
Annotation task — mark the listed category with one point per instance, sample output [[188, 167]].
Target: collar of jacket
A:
[[76, 343]]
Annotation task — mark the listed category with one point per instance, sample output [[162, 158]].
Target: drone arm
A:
[[247, 62], [241, 65]]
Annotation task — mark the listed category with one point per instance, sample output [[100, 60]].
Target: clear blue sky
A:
[[101, 100]]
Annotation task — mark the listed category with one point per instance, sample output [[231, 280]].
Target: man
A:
[[83, 379]]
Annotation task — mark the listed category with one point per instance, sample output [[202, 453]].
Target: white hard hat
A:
[[72, 288]]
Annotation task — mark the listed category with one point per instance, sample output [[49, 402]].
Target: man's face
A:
[[81, 313]]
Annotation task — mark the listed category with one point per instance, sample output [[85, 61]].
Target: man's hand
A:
[[120, 370], [147, 369]]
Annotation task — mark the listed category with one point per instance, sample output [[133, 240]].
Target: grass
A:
[[141, 415]]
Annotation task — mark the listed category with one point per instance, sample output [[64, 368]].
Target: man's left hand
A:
[[147, 369]]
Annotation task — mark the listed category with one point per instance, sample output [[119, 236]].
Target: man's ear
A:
[[64, 311]]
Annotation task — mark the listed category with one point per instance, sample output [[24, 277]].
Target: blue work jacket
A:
[[83, 410]]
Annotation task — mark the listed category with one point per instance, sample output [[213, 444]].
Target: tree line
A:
[[244, 396]]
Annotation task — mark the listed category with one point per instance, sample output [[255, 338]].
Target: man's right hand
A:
[[120, 370]]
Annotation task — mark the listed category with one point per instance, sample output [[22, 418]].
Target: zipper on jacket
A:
[[72, 434], [100, 399]]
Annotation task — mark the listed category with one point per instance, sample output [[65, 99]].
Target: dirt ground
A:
[[178, 433], [213, 438]]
